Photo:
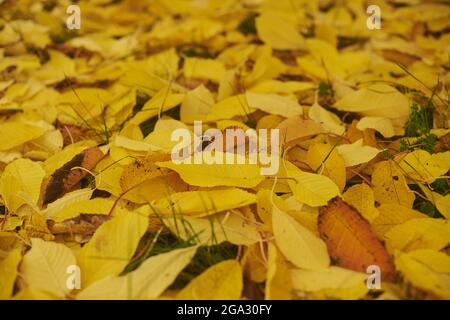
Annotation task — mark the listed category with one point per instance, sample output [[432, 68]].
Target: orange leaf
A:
[[296, 130], [351, 241]]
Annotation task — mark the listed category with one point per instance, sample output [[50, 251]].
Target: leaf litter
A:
[[93, 206]]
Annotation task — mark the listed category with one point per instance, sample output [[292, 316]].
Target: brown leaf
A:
[[72, 133], [70, 174], [351, 241]]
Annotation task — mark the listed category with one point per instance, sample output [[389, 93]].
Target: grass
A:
[[204, 258], [149, 125], [196, 50], [248, 26], [420, 121], [426, 143]]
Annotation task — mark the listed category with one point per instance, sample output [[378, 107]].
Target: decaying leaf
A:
[[71, 173]]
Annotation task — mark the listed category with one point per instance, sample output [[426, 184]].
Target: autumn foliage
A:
[[353, 119]]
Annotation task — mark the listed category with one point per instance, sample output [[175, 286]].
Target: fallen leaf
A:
[[299, 245], [389, 185], [8, 273], [222, 281], [21, 175], [44, 267], [111, 247], [147, 282], [350, 240]]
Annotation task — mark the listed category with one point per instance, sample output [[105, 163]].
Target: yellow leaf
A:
[[214, 229], [84, 104], [93, 206], [107, 46], [254, 263], [378, 100], [196, 102], [146, 282], [278, 31], [108, 177], [44, 267], [329, 121], [15, 133], [331, 283], [327, 55], [160, 137], [266, 67], [389, 185], [391, 215], [426, 269], [57, 68], [266, 199], [279, 282], [443, 205], [67, 200], [362, 198], [380, 124], [356, 153], [420, 165], [211, 175], [111, 247], [203, 203], [312, 189], [281, 87], [275, 104], [8, 273], [21, 175], [204, 69], [222, 281], [229, 108], [299, 245], [34, 294], [323, 158], [425, 233], [160, 102]]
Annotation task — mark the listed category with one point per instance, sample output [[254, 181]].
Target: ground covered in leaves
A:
[[93, 207]]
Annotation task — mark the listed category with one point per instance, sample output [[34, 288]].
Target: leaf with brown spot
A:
[[144, 181], [390, 185], [351, 241], [70, 174], [141, 170]]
